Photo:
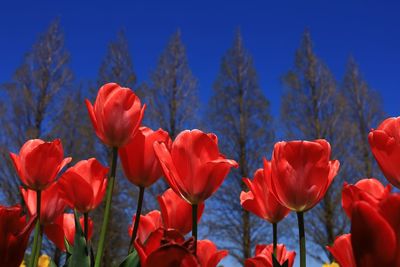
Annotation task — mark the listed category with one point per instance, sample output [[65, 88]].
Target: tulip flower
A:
[[64, 227], [301, 174], [52, 205], [83, 186], [194, 168], [375, 233], [116, 115], [208, 254], [39, 162], [148, 224], [342, 251], [138, 159], [263, 257], [14, 235], [176, 212], [369, 189], [385, 146]]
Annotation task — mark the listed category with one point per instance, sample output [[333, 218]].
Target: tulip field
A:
[[59, 198]]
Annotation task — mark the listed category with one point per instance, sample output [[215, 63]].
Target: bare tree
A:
[[238, 112], [312, 108]]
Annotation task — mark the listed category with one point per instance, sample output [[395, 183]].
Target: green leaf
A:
[[80, 252], [132, 260], [275, 262], [52, 264]]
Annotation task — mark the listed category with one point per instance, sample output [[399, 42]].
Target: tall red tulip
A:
[[208, 254], [176, 212], [64, 227], [194, 168], [116, 115], [260, 200], [83, 186], [138, 159], [14, 235], [369, 189], [39, 162], [52, 205], [385, 146], [148, 224], [263, 257], [342, 251], [302, 173]]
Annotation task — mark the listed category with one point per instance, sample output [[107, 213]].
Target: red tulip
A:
[[370, 190], [194, 168], [263, 257], [166, 249], [302, 173], [52, 205], [375, 233], [39, 162], [83, 186], [64, 226], [116, 115], [385, 146], [138, 159], [14, 235], [342, 251], [260, 200], [176, 212], [148, 224], [208, 255]]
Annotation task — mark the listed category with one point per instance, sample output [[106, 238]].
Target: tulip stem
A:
[[86, 225], [302, 239], [34, 259], [137, 218], [194, 226], [110, 188], [275, 237]]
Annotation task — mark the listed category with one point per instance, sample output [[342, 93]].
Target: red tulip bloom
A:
[[208, 255], [263, 257], [39, 162], [138, 159], [166, 249], [83, 186], [176, 212], [342, 251], [260, 200], [194, 168], [116, 115], [52, 205], [370, 190], [375, 233], [14, 235], [302, 173], [64, 226], [148, 224], [385, 146]]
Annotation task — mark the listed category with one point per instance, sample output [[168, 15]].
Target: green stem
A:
[[194, 226], [302, 239], [137, 218], [86, 225], [110, 187], [39, 245], [275, 237], [33, 260]]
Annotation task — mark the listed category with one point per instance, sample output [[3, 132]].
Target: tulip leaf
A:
[[132, 260], [80, 253], [275, 262], [52, 264]]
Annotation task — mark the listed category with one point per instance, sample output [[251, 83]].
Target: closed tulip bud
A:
[[302, 173], [148, 224], [208, 255], [116, 114], [342, 251], [64, 227], [83, 186], [194, 168], [39, 162], [138, 159]]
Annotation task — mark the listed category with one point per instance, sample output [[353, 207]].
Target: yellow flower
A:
[[333, 264], [44, 261], [23, 264]]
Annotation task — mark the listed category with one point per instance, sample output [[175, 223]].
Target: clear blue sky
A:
[[369, 30]]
